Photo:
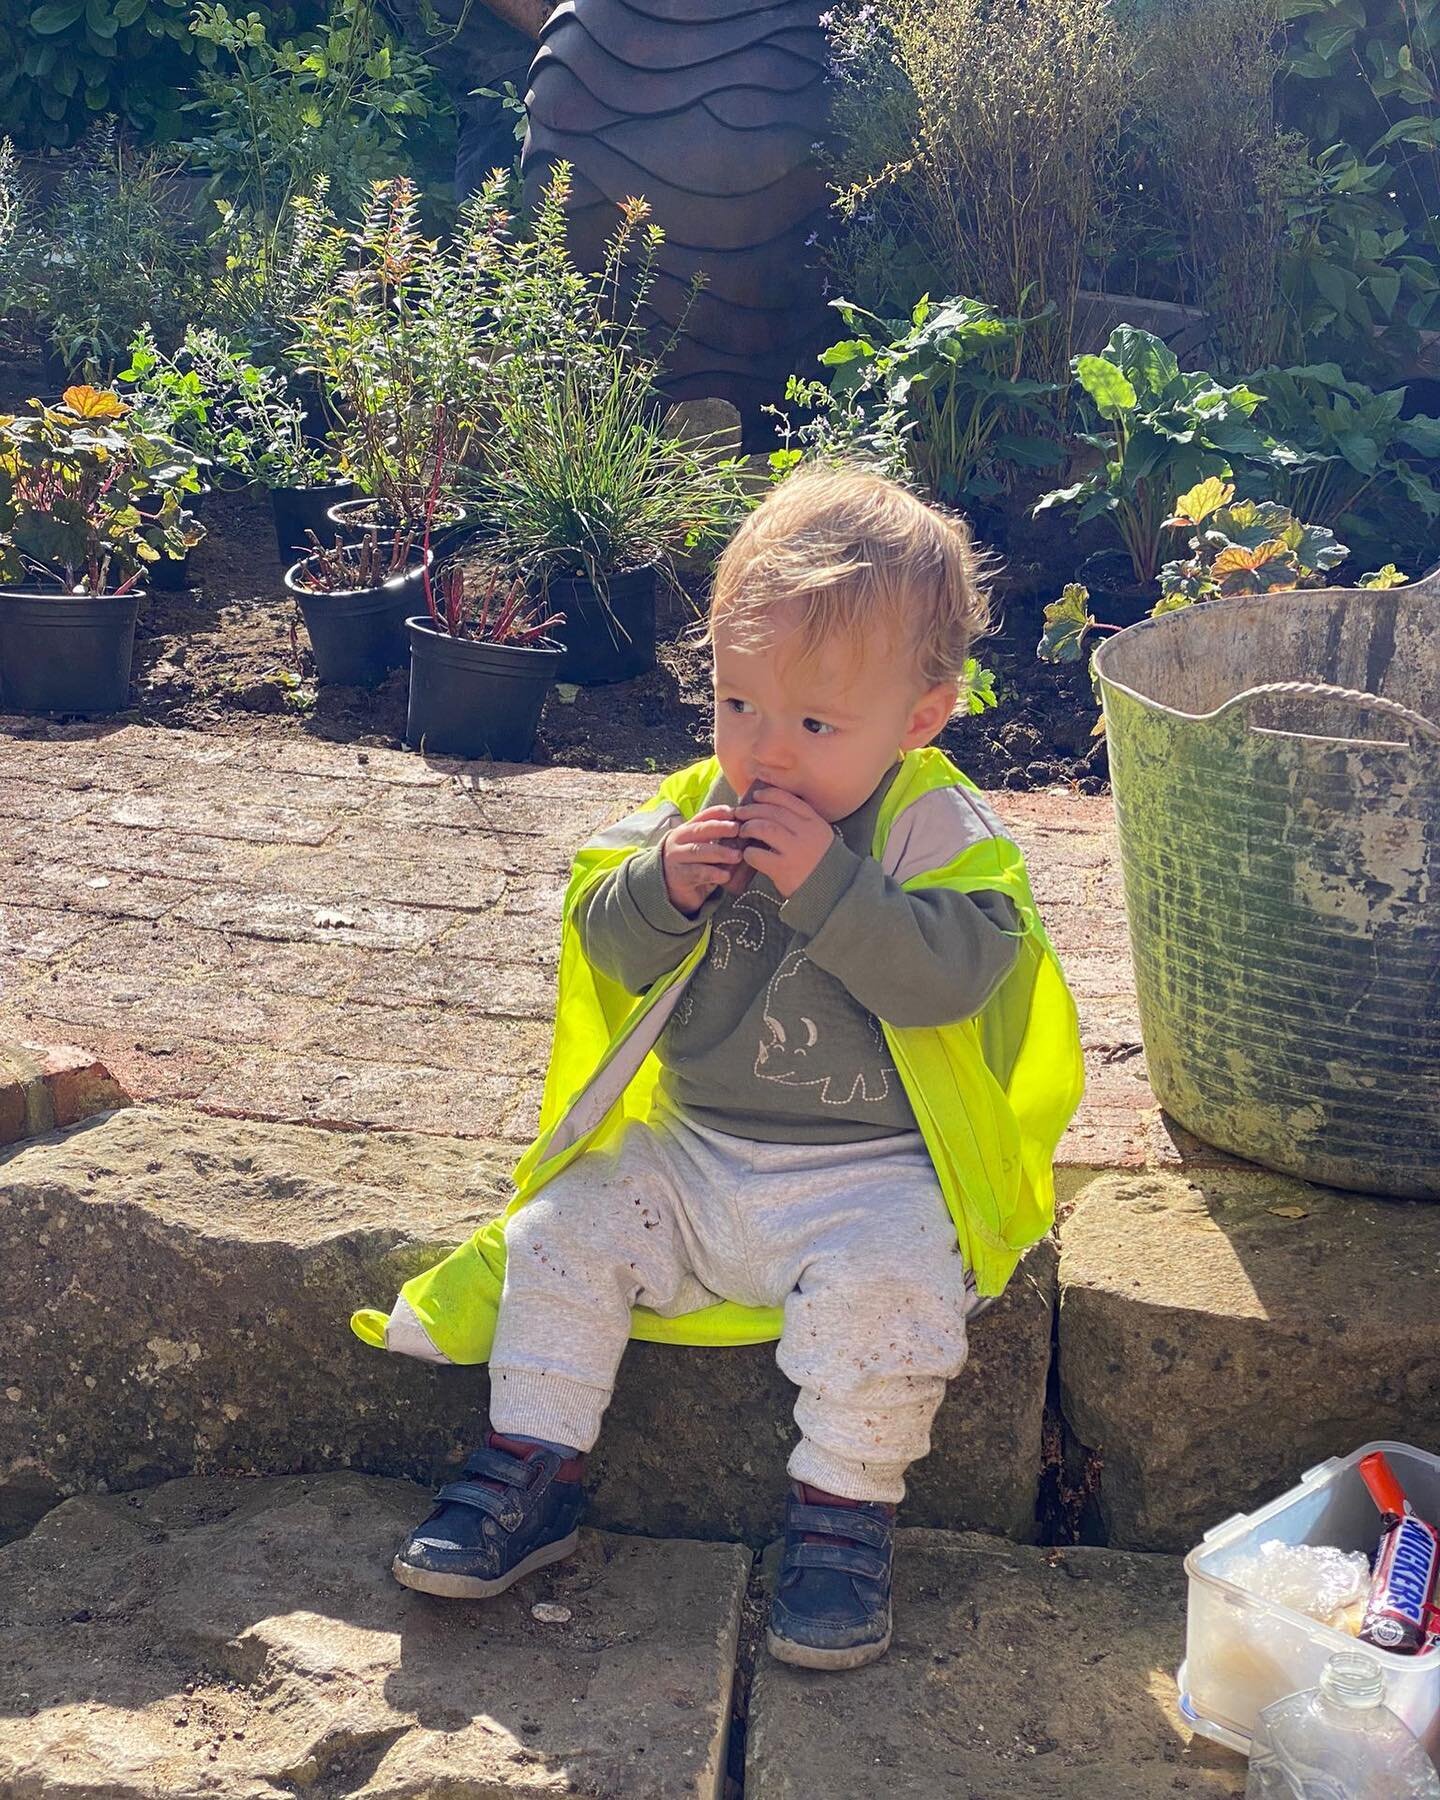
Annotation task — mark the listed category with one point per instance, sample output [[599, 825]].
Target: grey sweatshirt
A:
[[777, 1036]]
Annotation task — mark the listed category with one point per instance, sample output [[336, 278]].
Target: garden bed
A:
[[222, 658], [230, 655]]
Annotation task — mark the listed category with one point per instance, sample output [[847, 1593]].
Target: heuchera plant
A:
[[89, 497], [1236, 548]]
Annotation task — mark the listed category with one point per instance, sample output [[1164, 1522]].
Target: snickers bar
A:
[[1399, 1609]]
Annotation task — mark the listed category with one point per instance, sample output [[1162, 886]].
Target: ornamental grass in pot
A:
[[482, 659], [90, 499], [594, 495], [355, 598], [588, 491]]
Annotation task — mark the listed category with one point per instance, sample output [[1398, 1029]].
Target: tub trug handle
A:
[[1326, 691]]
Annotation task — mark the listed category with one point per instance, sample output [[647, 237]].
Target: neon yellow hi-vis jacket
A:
[[991, 1094]]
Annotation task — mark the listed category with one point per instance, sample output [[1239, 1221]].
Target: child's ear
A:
[[931, 714]]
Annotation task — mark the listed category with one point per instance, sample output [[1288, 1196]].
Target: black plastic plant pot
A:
[[608, 635], [171, 574], [301, 509], [359, 635], [66, 653], [452, 524], [474, 699]]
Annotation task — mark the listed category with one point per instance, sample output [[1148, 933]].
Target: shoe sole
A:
[[811, 1656], [471, 1587]]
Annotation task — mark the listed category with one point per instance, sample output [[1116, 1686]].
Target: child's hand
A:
[[701, 856], [785, 838]]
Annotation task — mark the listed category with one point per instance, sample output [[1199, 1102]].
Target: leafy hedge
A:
[[65, 62]]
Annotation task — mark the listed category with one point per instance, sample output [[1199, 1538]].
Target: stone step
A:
[[1014, 1674], [180, 1286], [245, 1639], [1221, 1334]]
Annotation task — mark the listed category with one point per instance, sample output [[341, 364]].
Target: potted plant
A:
[[482, 659], [588, 491], [394, 341], [355, 599], [89, 500], [243, 423]]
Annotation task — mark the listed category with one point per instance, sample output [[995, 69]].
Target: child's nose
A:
[[772, 751]]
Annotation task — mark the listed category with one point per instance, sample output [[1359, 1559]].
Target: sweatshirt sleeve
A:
[[927, 958], [630, 930]]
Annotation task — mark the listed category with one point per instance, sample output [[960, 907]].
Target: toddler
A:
[[812, 1057]]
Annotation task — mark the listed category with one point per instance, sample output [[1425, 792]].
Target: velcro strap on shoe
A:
[[499, 1465], [839, 1521], [849, 1559], [505, 1508]]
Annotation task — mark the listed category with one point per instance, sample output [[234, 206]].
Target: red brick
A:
[[77, 1082]]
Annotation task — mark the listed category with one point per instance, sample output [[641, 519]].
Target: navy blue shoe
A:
[[831, 1608], [507, 1515]]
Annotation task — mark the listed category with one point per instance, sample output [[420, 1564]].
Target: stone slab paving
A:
[[179, 1286], [1014, 1674], [1281, 1323], [245, 1640], [331, 935]]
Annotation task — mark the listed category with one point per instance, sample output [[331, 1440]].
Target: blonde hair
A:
[[854, 555]]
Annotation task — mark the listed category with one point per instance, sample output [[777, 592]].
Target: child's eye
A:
[[817, 728], [735, 704]]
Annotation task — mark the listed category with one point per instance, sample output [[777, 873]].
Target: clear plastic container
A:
[[1339, 1742], [1242, 1652]]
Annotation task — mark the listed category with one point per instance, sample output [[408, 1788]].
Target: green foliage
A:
[[1161, 430], [1067, 624], [236, 418], [1367, 73], [1387, 577], [268, 275], [89, 496], [583, 474], [280, 112], [979, 688], [1237, 547], [116, 249], [1203, 216], [950, 374], [395, 338], [63, 63], [1356, 463], [982, 152], [834, 431], [20, 244], [1356, 287]]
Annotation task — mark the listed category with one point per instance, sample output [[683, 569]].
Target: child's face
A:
[[824, 727]]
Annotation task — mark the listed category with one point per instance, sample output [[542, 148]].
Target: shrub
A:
[[1016, 115], [395, 341], [116, 249], [947, 379]]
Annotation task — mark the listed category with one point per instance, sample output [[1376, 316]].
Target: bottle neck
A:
[[1352, 1685]]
